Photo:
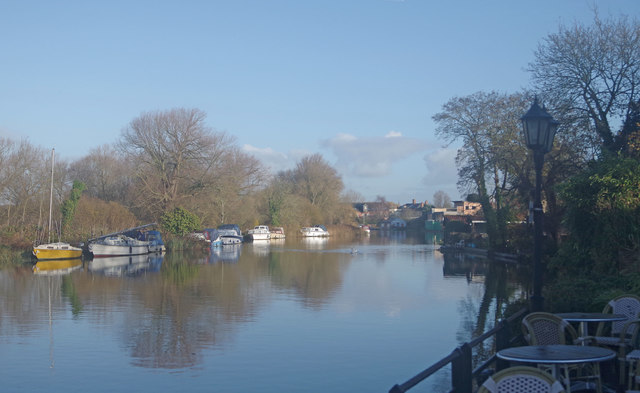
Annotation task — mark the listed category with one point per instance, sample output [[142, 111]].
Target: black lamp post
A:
[[539, 130]]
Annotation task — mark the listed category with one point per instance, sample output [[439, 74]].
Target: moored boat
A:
[[259, 232], [230, 234], [132, 241], [118, 245], [155, 241], [277, 233], [314, 231], [56, 251], [212, 236]]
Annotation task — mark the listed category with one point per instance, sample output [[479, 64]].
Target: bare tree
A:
[[175, 154], [105, 174], [319, 183], [592, 73], [442, 199], [229, 195]]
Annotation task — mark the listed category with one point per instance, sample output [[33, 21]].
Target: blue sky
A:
[[355, 80]]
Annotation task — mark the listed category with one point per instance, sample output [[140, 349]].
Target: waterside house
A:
[[463, 222]]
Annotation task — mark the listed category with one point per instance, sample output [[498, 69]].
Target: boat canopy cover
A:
[[233, 227], [211, 234]]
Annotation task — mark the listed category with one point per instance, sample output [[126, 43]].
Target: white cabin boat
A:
[[259, 232], [230, 234], [314, 231], [118, 245]]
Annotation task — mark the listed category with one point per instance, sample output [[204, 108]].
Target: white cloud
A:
[[372, 156], [393, 134], [275, 161], [272, 159], [442, 173]]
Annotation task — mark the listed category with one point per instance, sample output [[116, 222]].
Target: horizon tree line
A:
[[162, 160]]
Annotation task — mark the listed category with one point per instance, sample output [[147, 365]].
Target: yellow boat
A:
[[58, 266], [56, 251]]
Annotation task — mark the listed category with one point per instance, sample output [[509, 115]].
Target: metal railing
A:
[[462, 372]]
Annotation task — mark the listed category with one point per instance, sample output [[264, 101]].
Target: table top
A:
[[591, 317], [552, 354]]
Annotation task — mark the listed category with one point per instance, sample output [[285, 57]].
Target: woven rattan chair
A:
[[521, 379], [541, 328], [621, 336]]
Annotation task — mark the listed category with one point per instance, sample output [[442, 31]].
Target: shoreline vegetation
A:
[[20, 254]]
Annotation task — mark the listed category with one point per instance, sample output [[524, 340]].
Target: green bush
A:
[[587, 293], [180, 221], [603, 218]]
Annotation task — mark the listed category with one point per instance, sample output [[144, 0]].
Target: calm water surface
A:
[[294, 316]]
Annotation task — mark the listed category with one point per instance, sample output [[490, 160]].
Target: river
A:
[[325, 315]]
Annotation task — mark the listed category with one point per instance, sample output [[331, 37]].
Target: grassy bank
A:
[[11, 257]]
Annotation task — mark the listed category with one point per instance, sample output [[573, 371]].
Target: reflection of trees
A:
[[500, 289], [23, 300], [189, 307], [166, 318], [69, 291], [313, 276]]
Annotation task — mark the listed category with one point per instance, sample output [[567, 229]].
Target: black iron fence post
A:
[[462, 370], [503, 340]]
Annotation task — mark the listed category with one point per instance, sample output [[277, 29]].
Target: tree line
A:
[[162, 160], [588, 76]]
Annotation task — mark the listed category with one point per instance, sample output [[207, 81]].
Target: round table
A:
[[584, 317], [557, 355]]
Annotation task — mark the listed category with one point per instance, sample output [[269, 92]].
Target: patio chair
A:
[[521, 379], [621, 336], [541, 328]]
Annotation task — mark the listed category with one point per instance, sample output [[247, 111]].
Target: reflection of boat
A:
[[260, 248], [120, 265], [259, 232], [226, 253], [155, 262], [57, 267], [118, 245], [315, 242], [55, 250], [314, 231], [230, 234], [277, 233]]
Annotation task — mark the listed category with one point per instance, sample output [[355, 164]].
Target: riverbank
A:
[[484, 253]]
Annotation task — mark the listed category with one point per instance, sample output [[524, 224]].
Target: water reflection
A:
[[315, 243], [119, 266], [227, 253], [229, 310], [57, 267], [501, 287], [259, 248]]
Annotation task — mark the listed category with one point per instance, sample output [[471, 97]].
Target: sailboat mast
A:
[[51, 192]]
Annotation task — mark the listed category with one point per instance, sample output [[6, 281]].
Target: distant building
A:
[[393, 223], [468, 208]]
